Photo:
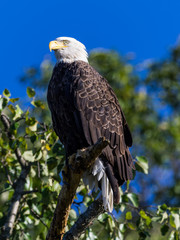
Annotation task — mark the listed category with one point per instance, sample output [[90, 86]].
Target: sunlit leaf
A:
[[33, 127], [122, 207], [13, 100], [131, 226], [18, 112], [38, 103], [156, 219], [175, 220], [72, 214], [47, 147], [122, 227], [172, 236], [133, 198], [3, 102], [6, 93], [142, 164], [164, 217], [28, 155], [11, 108], [145, 216], [128, 216], [31, 121], [30, 92]]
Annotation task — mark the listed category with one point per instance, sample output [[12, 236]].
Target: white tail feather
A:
[[92, 178], [100, 175]]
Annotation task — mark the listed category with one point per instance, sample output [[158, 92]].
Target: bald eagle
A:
[[84, 108]]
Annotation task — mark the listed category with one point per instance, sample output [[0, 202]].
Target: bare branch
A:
[[38, 217], [85, 220], [29, 192], [138, 209], [20, 159], [13, 209], [6, 122], [72, 174], [19, 119]]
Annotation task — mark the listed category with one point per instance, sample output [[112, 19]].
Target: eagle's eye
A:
[[65, 42]]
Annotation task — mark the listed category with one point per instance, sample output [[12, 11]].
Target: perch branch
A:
[[78, 163]]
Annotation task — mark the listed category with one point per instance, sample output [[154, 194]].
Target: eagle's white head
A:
[[68, 50]]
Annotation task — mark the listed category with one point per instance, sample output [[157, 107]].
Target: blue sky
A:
[[148, 28]]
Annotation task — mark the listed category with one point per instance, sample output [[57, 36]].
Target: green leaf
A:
[[6, 93], [122, 227], [99, 230], [72, 214], [38, 103], [122, 207], [30, 92], [18, 112], [52, 163], [33, 128], [127, 184], [175, 220], [145, 216], [172, 236], [103, 217], [164, 229], [171, 220], [13, 100], [28, 155], [11, 108], [131, 226], [3, 103], [133, 198], [128, 216], [142, 165], [15, 126], [164, 216], [163, 207], [156, 219], [33, 138], [31, 121], [111, 223]]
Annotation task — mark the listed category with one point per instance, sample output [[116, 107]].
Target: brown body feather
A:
[[84, 108]]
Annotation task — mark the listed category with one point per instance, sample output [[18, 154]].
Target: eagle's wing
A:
[[98, 111]]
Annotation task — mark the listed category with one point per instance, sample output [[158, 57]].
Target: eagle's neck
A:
[[71, 55]]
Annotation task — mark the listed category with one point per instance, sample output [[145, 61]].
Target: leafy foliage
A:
[[38, 145]]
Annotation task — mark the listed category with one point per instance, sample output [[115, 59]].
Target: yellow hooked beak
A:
[[54, 45]]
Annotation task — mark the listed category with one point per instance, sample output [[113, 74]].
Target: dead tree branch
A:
[[78, 163]]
